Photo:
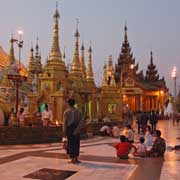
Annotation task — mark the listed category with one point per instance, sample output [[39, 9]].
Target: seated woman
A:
[[141, 148], [148, 137], [123, 148], [115, 131]]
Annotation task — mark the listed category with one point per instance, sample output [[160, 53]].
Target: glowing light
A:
[[20, 32], [57, 123], [174, 72], [132, 66], [161, 93]]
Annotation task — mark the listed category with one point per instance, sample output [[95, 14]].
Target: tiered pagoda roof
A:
[[151, 73]]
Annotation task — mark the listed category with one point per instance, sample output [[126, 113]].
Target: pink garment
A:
[[141, 148]]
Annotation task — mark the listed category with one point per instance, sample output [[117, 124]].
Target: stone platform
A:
[[98, 157]]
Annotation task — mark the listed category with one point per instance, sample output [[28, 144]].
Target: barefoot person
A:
[[72, 123]]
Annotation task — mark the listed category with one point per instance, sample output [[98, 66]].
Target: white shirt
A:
[[105, 128], [130, 135], [148, 139], [47, 115], [116, 131]]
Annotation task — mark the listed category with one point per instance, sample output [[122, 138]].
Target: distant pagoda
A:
[[125, 60]]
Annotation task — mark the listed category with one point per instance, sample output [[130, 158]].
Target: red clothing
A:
[[123, 148]]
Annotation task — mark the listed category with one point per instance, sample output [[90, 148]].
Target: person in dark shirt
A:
[[159, 145], [153, 120], [71, 130]]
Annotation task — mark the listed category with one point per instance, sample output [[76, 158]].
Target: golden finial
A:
[[75, 67], [90, 75], [11, 52], [83, 68], [55, 50], [105, 82], [112, 82]]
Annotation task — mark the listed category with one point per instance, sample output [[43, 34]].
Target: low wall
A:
[[30, 135], [35, 135]]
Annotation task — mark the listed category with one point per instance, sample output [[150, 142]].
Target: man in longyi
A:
[[71, 128]]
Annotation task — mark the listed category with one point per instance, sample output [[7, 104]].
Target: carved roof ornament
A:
[[151, 73]]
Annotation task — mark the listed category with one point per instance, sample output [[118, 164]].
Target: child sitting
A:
[[123, 148], [141, 148]]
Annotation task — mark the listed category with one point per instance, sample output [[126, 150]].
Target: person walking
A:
[[71, 130], [153, 120], [138, 120]]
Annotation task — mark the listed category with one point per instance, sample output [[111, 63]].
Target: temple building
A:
[[139, 92], [123, 85]]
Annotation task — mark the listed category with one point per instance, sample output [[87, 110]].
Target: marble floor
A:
[[98, 157]]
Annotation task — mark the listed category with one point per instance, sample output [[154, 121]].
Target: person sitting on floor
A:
[[148, 137], [115, 131], [141, 148], [106, 131], [159, 145], [123, 148]]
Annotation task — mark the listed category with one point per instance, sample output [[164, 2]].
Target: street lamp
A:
[[19, 43], [14, 71], [174, 77]]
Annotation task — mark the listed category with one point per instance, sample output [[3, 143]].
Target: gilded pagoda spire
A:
[[83, 68], [31, 64], [38, 59], [112, 82], [12, 67], [11, 52], [105, 81], [75, 67], [89, 73], [55, 53]]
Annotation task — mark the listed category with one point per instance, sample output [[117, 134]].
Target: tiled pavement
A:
[[99, 161]]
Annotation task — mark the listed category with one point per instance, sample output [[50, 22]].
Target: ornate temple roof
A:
[[4, 58], [151, 73]]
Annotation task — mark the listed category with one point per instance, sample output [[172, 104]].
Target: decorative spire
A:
[[125, 34], [151, 59], [75, 67], [55, 50], [90, 75], [11, 52], [83, 68], [105, 81], [12, 67], [112, 82], [37, 59], [151, 73]]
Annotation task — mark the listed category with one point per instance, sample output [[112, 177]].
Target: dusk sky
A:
[[153, 25]]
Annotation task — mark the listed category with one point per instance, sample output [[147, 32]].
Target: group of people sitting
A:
[[149, 145]]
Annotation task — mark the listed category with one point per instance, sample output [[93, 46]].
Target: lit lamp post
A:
[[14, 71], [174, 77], [20, 45]]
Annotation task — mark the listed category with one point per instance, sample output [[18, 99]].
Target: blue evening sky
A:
[[152, 25]]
